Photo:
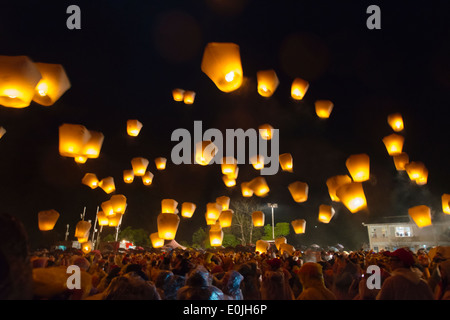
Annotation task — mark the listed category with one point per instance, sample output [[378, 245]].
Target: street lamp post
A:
[[273, 205]]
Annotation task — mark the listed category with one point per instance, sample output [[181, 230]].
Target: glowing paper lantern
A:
[[114, 220], [287, 248], [128, 176], [139, 166], [82, 229], [134, 127], [279, 241], [228, 165], [178, 94], [233, 175], [221, 62], [267, 82], [415, 170], [53, 84], [258, 218], [226, 218], [157, 242], [259, 186], [160, 163], [323, 108], [265, 130], [205, 152], [229, 182], [326, 213], [299, 226], [246, 190], [147, 178], [188, 209], [82, 240], [169, 206], [359, 167], [299, 88], [334, 183], [72, 139], [395, 120], [107, 208], [299, 191], [394, 144], [262, 246], [352, 196], [423, 179], [118, 203], [286, 162], [86, 247], [80, 159], [224, 201], [215, 236], [102, 219], [213, 210], [93, 146], [19, 77], [2, 132], [257, 162], [189, 97], [400, 161], [421, 215], [167, 225], [47, 219], [209, 221], [107, 184], [90, 180], [446, 203]]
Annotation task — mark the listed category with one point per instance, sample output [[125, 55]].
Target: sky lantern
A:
[[333, 183], [90, 180], [47, 219], [421, 215], [267, 82], [53, 84], [299, 88], [299, 191], [213, 210], [93, 145], [262, 246], [400, 161], [215, 237], [167, 225], [265, 130], [423, 179], [209, 221], [279, 241], [323, 108], [134, 127], [326, 213], [257, 161], [205, 152], [188, 209], [233, 175], [72, 139], [102, 219], [157, 242], [82, 229], [258, 218], [169, 206], [86, 247], [118, 203], [189, 97], [178, 94], [128, 176], [107, 208], [160, 163], [415, 170], [352, 196], [221, 62], [147, 178], [395, 120], [359, 167], [2, 132], [446, 203], [394, 144], [226, 218], [286, 162], [287, 248], [228, 165], [80, 159], [299, 226], [224, 201], [114, 220], [19, 78], [259, 186], [246, 190], [107, 184], [229, 182], [139, 166]]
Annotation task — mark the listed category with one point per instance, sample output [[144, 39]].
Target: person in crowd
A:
[[131, 286], [443, 288], [250, 285], [199, 286], [311, 278], [230, 285]]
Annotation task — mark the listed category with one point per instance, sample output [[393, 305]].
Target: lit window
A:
[[403, 232]]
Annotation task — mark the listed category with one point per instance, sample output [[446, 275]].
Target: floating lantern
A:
[[2, 132], [215, 237], [258, 218], [229, 182], [205, 152], [421, 215], [221, 62], [400, 161], [395, 120], [160, 163], [224, 201], [213, 210], [82, 240], [47, 219], [53, 84], [323, 108], [82, 229], [286, 162], [128, 176], [394, 144], [189, 97], [147, 178], [287, 248], [359, 167], [299, 226], [80, 159], [102, 219], [167, 225], [139, 165], [446, 203], [107, 184], [326, 213], [93, 146], [415, 170], [299, 88], [72, 139], [107, 208], [209, 221], [265, 130], [267, 82], [114, 220], [228, 165], [262, 246], [234, 174], [299, 191], [257, 162], [259, 186], [226, 218], [169, 206], [334, 183], [19, 78], [157, 242], [352, 196], [118, 203], [246, 190], [86, 247], [90, 180], [279, 241], [423, 179], [178, 94], [134, 127], [188, 209]]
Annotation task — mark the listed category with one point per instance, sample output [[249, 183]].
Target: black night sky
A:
[[129, 55]]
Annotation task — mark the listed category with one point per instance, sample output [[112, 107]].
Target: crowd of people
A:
[[222, 274]]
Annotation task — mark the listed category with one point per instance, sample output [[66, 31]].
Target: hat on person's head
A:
[[403, 255]]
